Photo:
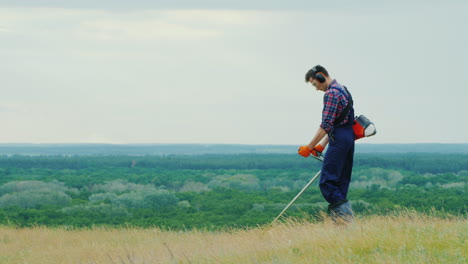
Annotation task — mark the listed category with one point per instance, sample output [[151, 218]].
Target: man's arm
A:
[[320, 136], [314, 149]]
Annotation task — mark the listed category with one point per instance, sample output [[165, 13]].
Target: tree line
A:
[[214, 191]]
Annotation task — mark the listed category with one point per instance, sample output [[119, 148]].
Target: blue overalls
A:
[[338, 163]]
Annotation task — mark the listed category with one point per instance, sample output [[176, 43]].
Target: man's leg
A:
[[346, 172], [336, 175], [331, 170], [342, 213]]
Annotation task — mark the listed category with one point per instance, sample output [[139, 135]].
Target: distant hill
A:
[[196, 149], [416, 148]]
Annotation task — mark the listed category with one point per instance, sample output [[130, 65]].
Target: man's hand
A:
[[317, 150], [304, 151]]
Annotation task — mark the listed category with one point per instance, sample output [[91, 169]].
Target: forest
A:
[[213, 191]]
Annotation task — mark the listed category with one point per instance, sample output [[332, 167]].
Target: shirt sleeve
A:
[[330, 106]]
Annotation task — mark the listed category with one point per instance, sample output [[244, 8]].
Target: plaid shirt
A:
[[333, 104]]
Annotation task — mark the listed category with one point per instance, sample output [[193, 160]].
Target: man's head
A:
[[318, 76]]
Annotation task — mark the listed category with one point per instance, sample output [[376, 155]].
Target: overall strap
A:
[[347, 109]]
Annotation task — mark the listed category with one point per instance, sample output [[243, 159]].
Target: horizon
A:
[[204, 148], [172, 143]]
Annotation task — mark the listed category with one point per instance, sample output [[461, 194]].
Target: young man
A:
[[335, 130]]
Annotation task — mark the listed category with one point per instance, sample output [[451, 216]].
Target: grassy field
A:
[[406, 238]]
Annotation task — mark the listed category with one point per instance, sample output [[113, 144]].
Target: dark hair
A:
[[312, 73]]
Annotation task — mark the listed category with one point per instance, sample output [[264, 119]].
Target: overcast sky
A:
[[228, 71]]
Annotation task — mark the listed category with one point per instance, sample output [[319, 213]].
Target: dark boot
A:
[[341, 212]]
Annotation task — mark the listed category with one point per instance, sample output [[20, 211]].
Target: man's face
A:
[[318, 86]]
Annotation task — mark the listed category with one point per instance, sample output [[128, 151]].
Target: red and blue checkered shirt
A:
[[333, 104]]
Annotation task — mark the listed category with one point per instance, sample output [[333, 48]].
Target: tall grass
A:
[[401, 238]]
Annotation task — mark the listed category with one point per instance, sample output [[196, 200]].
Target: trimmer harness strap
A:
[[346, 110]]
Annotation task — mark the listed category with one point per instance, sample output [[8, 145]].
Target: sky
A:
[[230, 72]]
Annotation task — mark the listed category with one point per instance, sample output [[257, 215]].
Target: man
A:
[[335, 130]]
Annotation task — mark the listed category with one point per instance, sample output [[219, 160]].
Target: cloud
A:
[[142, 25], [4, 29], [225, 75], [166, 25], [15, 108], [181, 4], [141, 30], [122, 5]]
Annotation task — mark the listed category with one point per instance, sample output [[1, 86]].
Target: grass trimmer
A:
[[320, 158]]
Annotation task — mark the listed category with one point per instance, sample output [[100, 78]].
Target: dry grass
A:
[[408, 238]]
